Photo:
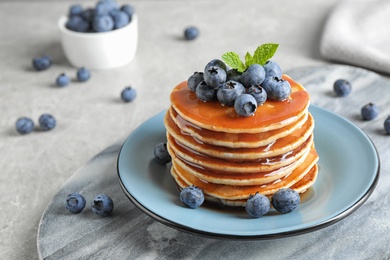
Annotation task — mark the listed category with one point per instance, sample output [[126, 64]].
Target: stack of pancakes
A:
[[231, 157]]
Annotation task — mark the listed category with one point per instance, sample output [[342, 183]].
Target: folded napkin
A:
[[357, 32]]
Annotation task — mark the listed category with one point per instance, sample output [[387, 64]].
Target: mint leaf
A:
[[232, 59], [264, 52], [248, 59]]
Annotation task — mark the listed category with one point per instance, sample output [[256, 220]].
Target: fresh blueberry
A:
[[205, 92], [161, 153], [42, 63], [257, 205], [78, 24], [24, 125], [104, 7], [192, 196], [128, 94], [75, 202], [245, 105], [214, 76], [120, 18], [191, 33], [62, 80], [272, 68], [194, 80], [102, 205], [102, 23], [47, 122], [128, 9], [229, 92], [386, 125], [258, 93], [217, 63], [255, 74], [233, 74], [75, 9], [277, 88], [369, 111], [88, 14], [342, 87], [285, 200], [83, 74]]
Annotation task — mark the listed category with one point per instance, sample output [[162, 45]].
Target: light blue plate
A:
[[348, 173]]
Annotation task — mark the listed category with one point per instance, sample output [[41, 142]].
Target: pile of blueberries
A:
[[245, 91], [107, 15]]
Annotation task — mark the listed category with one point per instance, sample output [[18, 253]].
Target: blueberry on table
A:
[[42, 63], [342, 87], [229, 92], [191, 33], [194, 80], [257, 205], [205, 92], [102, 205], [78, 24], [62, 80], [128, 94], [369, 111], [258, 93], [161, 153], [245, 105], [120, 18], [47, 122], [285, 200], [255, 74], [75, 202], [272, 68], [103, 23], [386, 125], [192, 196], [83, 74], [24, 125]]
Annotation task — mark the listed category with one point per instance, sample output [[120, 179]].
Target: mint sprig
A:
[[261, 55]]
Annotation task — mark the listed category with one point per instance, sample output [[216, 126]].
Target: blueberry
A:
[[42, 63], [258, 93], [233, 74], [161, 153], [276, 88], [285, 200], [75, 9], [78, 24], [102, 23], [369, 111], [104, 7], [75, 202], [128, 9], [191, 33], [342, 87], [214, 76], [245, 105], [83, 74], [120, 18], [205, 92], [128, 94], [192, 196], [194, 80], [386, 125], [47, 122], [62, 80], [272, 68], [102, 205], [257, 205], [216, 63], [24, 125], [255, 74], [88, 14], [229, 92]]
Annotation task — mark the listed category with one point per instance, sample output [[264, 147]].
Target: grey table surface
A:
[[92, 117]]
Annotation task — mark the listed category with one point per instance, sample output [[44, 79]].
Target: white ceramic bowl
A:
[[100, 50]]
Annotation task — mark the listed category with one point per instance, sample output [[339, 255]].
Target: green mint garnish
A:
[[261, 55]]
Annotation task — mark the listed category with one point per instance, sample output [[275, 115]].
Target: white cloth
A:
[[357, 32]]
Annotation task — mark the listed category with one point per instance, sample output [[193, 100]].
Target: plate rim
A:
[[299, 231]]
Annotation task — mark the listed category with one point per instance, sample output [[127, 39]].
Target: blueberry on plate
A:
[[194, 80], [258, 93], [120, 18], [370, 111], [75, 202], [245, 105], [386, 125], [192, 196], [214, 76], [229, 92], [191, 33], [342, 87], [277, 88], [102, 205], [272, 68], [205, 92], [161, 153], [285, 200], [24, 125], [103, 23], [42, 63], [62, 80], [47, 122], [128, 94], [78, 24], [83, 74], [257, 205]]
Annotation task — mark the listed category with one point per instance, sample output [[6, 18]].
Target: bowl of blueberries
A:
[[101, 37]]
